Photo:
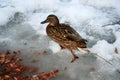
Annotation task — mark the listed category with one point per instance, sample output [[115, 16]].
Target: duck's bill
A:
[[43, 22]]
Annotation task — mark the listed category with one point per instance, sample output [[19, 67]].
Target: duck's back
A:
[[66, 36]]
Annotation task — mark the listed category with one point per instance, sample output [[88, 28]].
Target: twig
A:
[[103, 59]]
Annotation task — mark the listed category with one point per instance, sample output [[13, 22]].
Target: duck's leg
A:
[[74, 56], [62, 47]]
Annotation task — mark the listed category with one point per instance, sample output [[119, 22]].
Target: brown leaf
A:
[[11, 68], [45, 52], [92, 69], [7, 77], [116, 50], [33, 70], [7, 52], [7, 60], [65, 68], [38, 54], [2, 58], [34, 60]]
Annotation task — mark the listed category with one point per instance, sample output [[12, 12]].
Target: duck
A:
[[66, 36]]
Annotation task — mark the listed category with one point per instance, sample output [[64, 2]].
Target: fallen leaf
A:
[[38, 54], [116, 50]]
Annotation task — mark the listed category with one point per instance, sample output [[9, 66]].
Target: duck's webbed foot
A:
[[74, 56]]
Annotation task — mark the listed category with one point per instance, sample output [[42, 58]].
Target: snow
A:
[[98, 21]]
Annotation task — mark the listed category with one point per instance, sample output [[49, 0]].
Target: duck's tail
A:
[[84, 50]]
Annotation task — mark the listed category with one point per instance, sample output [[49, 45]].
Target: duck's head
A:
[[52, 20]]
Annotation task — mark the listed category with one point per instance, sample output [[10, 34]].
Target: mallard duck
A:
[[65, 36]]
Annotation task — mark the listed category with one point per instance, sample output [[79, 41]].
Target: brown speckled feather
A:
[[66, 36]]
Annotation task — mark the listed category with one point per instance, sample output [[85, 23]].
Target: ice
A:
[[54, 47], [5, 15], [104, 49], [98, 21]]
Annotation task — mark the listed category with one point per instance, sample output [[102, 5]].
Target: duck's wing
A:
[[70, 33], [75, 38]]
